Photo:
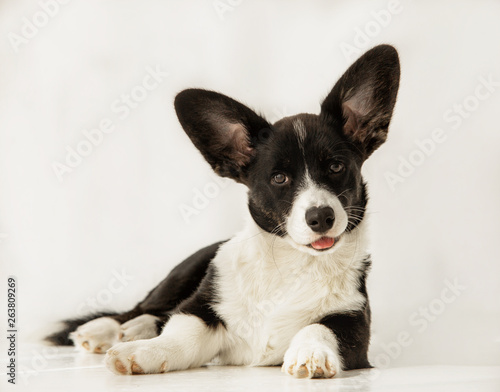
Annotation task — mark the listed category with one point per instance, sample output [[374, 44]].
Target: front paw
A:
[[138, 357], [311, 361]]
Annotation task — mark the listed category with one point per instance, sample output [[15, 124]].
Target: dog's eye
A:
[[279, 179], [337, 167]]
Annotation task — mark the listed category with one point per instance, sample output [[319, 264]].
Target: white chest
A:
[[268, 292]]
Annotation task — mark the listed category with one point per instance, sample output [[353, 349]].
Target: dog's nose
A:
[[320, 219]]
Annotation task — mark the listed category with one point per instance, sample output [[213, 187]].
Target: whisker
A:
[[344, 191]]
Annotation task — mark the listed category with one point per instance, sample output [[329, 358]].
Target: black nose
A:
[[320, 219]]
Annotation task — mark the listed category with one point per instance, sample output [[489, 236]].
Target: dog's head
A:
[[304, 171]]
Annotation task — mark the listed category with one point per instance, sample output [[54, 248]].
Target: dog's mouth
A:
[[324, 243]]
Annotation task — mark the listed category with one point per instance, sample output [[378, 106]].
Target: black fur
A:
[[180, 284], [353, 336], [364, 98], [223, 129], [200, 303], [353, 329]]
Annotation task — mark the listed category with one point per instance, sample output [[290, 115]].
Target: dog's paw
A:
[[139, 357], [96, 336], [142, 327], [311, 361]]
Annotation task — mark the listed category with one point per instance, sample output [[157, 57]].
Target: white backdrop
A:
[[103, 232]]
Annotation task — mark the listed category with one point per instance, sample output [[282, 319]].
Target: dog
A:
[[290, 288]]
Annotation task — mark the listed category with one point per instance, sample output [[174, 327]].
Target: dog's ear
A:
[[363, 99], [224, 130]]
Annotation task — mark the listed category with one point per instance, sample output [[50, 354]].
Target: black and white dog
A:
[[290, 288]]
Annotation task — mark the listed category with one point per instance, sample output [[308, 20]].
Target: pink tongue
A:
[[323, 243]]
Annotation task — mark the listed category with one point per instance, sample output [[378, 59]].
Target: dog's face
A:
[[306, 183], [304, 171]]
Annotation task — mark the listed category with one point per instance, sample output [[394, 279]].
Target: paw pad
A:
[[120, 367], [311, 363], [136, 369], [302, 372]]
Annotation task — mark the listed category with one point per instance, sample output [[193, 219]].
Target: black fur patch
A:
[[364, 97], [180, 284], [201, 302], [223, 129], [353, 336], [352, 329]]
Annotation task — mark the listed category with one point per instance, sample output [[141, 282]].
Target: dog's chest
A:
[[265, 299]]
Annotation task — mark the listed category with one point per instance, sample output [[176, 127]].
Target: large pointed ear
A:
[[224, 130], [363, 99]]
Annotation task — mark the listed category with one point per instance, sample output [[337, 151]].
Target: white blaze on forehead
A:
[[311, 195], [300, 131]]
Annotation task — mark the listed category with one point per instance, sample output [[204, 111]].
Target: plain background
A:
[[118, 211]]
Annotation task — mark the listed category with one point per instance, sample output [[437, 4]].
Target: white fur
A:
[[184, 343], [313, 353], [312, 195], [300, 132], [269, 291], [97, 335], [141, 327]]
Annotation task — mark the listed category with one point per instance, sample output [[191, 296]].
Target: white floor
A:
[[44, 368]]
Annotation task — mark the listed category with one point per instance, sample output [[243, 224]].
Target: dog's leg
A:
[[186, 342], [353, 336], [338, 342], [190, 338]]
